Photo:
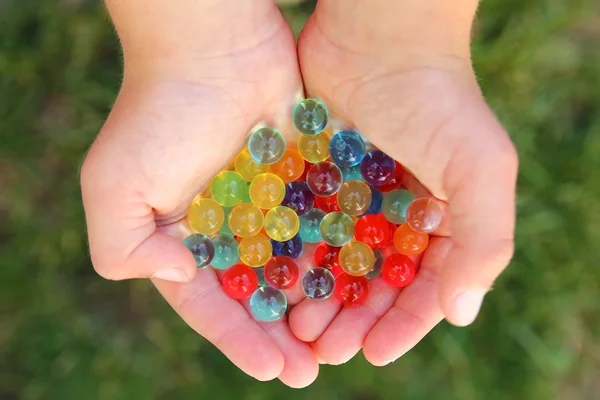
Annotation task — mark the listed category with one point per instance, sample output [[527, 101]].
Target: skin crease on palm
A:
[[188, 99]]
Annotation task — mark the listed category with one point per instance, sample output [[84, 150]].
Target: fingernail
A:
[[467, 305], [171, 274]]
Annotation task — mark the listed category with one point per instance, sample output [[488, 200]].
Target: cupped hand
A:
[[178, 120], [406, 83]]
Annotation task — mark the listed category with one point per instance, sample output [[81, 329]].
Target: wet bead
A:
[[298, 197], [226, 252], [260, 274], [281, 272], [206, 216], [318, 284], [376, 201], [337, 228], [281, 223], [424, 215], [395, 204], [245, 165], [255, 250], [310, 226], [347, 149], [228, 188], [310, 116], [267, 190], [202, 249], [372, 229], [398, 270], [292, 248], [314, 148], [290, 167], [239, 281], [354, 197], [351, 290], [327, 203], [327, 257], [395, 182], [324, 178], [268, 304], [225, 227], [377, 168], [245, 220], [356, 258], [409, 242], [266, 145], [351, 174], [376, 270]]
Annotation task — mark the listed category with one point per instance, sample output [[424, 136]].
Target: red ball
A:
[[281, 272], [327, 256], [396, 181], [240, 281], [327, 203], [351, 290], [398, 270], [372, 229]]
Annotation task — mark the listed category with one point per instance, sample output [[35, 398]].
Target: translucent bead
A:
[[398, 270], [228, 188], [310, 116], [409, 242], [372, 229], [281, 223], [260, 274], [376, 270], [395, 204], [266, 145], [246, 220], [337, 228], [351, 290], [356, 258], [298, 197], [292, 248], [347, 149], [239, 282], [324, 178], [351, 174], [395, 182], [327, 203], [290, 167], [377, 168], [314, 148], [255, 250], [281, 272], [201, 247], [318, 284], [267, 191], [376, 201], [206, 216], [328, 257], [248, 168], [226, 252], [310, 226], [424, 215], [268, 304], [354, 197]]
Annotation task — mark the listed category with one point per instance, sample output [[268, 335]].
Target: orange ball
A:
[[290, 167], [409, 242]]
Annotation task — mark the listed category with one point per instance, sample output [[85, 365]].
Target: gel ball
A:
[[376, 201], [281, 272], [310, 224], [310, 116], [372, 229], [327, 257], [351, 290], [206, 216], [255, 250], [354, 197], [356, 258], [314, 148], [424, 215], [327, 203], [267, 191], [347, 149], [376, 270], [395, 204], [324, 178], [337, 229], [228, 188], [225, 227], [409, 242], [351, 173], [260, 274], [266, 145], [291, 248], [245, 165], [395, 182], [281, 223], [298, 197], [377, 168], [318, 284], [268, 304], [202, 249], [239, 281], [290, 167], [398, 270], [226, 252], [245, 220]]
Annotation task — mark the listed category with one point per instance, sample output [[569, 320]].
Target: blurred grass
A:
[[67, 334]]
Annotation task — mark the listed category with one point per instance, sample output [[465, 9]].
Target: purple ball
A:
[[298, 197], [377, 168]]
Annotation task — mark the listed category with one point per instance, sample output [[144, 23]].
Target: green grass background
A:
[[67, 334]]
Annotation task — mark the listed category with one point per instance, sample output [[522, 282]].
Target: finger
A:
[[415, 312], [310, 318]]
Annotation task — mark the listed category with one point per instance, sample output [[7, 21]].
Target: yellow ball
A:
[[206, 216], [267, 190], [247, 167], [357, 258], [255, 250], [314, 148], [245, 220], [281, 223], [354, 197]]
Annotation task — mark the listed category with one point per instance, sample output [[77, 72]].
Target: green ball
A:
[[310, 223], [266, 145], [337, 229], [229, 189], [310, 116], [226, 252], [395, 204]]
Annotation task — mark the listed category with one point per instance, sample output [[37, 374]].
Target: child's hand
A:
[[401, 73], [183, 113]]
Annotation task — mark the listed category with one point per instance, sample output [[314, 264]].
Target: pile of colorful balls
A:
[[336, 192]]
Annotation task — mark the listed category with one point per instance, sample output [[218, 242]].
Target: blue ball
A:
[[291, 248], [299, 197], [347, 149], [376, 201], [268, 304], [310, 226], [226, 252], [202, 249], [318, 284]]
